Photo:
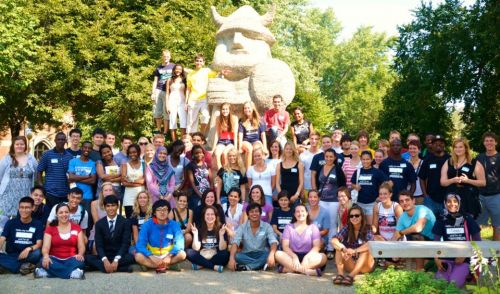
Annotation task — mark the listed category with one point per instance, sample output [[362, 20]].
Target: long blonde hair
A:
[[136, 211], [295, 155], [101, 195], [254, 121], [239, 162], [468, 155]]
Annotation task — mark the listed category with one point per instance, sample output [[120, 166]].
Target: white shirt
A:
[[262, 178], [306, 158]]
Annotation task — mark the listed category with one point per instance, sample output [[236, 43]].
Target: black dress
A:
[[470, 194]]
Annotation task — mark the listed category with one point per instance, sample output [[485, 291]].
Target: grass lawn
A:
[[487, 233]]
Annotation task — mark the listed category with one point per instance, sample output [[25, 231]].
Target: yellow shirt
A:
[[197, 82]]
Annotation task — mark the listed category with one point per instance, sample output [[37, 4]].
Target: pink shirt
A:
[[301, 243], [154, 189], [349, 170], [280, 119]]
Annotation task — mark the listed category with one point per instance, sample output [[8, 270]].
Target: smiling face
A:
[[165, 57], [233, 198], [379, 157], [182, 202], [300, 213], [355, 216], [343, 199], [60, 141], [452, 205], [98, 139], [314, 140], [363, 140], [199, 62], [162, 155], [384, 195], [258, 156], [25, 210], [37, 196], [178, 70], [133, 153], [110, 140], [232, 157], [74, 200], [337, 135], [210, 199], [326, 143], [161, 213], [75, 139], [247, 110], [225, 110], [86, 149], [150, 151], [111, 209], [256, 195], [158, 141], [459, 149], [298, 115], [143, 199], [277, 102], [19, 146], [354, 150], [126, 143], [106, 154], [254, 215], [329, 158], [313, 199], [490, 144], [197, 140], [414, 150], [288, 151], [108, 190], [406, 202], [62, 215], [396, 147], [284, 202], [210, 216], [198, 155], [275, 149]]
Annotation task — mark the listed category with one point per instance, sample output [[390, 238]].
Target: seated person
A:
[[161, 242], [454, 226], [40, 210], [301, 243], [63, 248], [183, 215], [351, 248], [415, 224], [23, 239], [233, 211], [77, 214], [283, 215], [209, 243], [207, 199], [256, 237], [112, 240], [319, 216], [142, 210], [257, 196]]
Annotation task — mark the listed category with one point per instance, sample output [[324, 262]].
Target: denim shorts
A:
[[491, 210]]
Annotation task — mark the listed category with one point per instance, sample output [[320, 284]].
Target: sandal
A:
[[348, 280], [338, 279]]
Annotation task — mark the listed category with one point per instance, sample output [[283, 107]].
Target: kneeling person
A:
[[161, 242], [112, 240], [23, 238]]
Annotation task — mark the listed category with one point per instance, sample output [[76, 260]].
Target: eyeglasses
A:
[[354, 215], [143, 143], [162, 209]]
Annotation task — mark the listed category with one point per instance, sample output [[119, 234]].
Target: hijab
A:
[[457, 217], [161, 170]]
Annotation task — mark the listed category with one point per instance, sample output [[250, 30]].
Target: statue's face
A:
[[240, 52]]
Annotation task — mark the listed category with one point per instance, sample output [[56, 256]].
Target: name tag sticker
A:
[[453, 231], [365, 177], [24, 235], [170, 236], [294, 170], [261, 234], [322, 162], [54, 160], [140, 222], [432, 166], [402, 165], [236, 177], [395, 170], [32, 229], [74, 233], [465, 169], [332, 176]]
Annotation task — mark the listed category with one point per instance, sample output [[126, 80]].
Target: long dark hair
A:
[[233, 189], [262, 198], [204, 226], [182, 76], [12, 152], [308, 219], [363, 229], [55, 222]]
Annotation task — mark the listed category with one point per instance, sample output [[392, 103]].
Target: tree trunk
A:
[[15, 128]]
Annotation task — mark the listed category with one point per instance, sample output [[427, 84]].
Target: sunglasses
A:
[[143, 143], [354, 215]]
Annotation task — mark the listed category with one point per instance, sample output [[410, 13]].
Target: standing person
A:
[[428, 141], [55, 164], [22, 237], [75, 135], [454, 226], [384, 145], [301, 246], [183, 215], [367, 183], [196, 96], [132, 178], [398, 170], [306, 158], [158, 92], [160, 177], [411, 137], [199, 176], [490, 194], [142, 142], [176, 101], [187, 141], [301, 129], [330, 179], [178, 162], [364, 142], [319, 216], [63, 248], [209, 243], [121, 157], [275, 153], [143, 210], [277, 121], [232, 175], [336, 138], [258, 241], [149, 154], [108, 170], [386, 214], [257, 196], [98, 137], [290, 174], [318, 160], [112, 241], [226, 133], [351, 248], [40, 210], [158, 141], [161, 242], [233, 211], [463, 175], [378, 158], [252, 132], [430, 176], [346, 146], [262, 174], [82, 174], [351, 165], [110, 140], [17, 175], [415, 160]]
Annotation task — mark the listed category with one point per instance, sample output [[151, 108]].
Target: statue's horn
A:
[[267, 18], [218, 19]]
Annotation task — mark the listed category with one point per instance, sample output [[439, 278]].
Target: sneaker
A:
[[264, 268], [161, 270], [241, 268], [40, 273], [27, 268], [77, 274], [3, 270], [175, 267]]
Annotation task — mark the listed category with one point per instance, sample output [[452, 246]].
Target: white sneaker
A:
[[40, 273], [77, 274]]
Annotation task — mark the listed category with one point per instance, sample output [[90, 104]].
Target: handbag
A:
[[208, 253]]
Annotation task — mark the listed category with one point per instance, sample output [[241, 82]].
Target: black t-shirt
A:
[[491, 166], [431, 171], [95, 156], [19, 236], [400, 172], [163, 73], [41, 214], [76, 153], [456, 229], [230, 180], [369, 180], [138, 220], [211, 241], [319, 160], [281, 218]]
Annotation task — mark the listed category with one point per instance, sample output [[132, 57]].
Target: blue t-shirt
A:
[[55, 166], [80, 168], [250, 134], [369, 180], [400, 172], [405, 221], [19, 236], [281, 218], [322, 221]]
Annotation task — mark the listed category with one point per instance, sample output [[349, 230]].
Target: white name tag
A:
[[453, 231], [465, 169], [395, 170], [365, 177], [402, 165], [54, 160], [294, 170], [322, 162], [140, 222], [74, 233], [263, 213], [24, 235], [432, 166], [284, 221], [32, 229], [236, 177], [261, 234], [170, 236], [332, 176]]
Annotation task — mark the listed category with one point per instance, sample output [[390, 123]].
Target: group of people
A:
[[272, 193]]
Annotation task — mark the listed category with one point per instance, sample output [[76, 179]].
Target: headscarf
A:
[[161, 170], [456, 217]]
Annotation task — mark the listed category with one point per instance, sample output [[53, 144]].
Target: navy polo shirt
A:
[[55, 165]]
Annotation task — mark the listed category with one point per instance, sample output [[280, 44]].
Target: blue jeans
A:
[[10, 262], [437, 208], [221, 258], [253, 260], [62, 268], [194, 200]]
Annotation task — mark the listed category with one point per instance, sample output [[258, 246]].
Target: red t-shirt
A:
[[61, 248], [280, 119]]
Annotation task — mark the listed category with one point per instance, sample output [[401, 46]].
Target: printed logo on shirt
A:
[[74, 233], [83, 170]]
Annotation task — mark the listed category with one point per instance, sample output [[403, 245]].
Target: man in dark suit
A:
[[112, 240]]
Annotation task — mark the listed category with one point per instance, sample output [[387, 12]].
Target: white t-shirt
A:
[[306, 158], [73, 217], [263, 179], [233, 219]]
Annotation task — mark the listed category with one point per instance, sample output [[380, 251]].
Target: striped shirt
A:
[[55, 166]]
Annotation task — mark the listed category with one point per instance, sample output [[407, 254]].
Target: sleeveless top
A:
[[131, 192], [469, 193], [387, 220], [176, 96], [301, 131], [290, 178], [233, 219], [182, 222], [100, 214]]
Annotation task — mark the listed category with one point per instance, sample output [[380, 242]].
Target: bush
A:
[[403, 281]]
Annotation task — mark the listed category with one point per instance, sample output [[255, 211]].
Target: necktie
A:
[[111, 227]]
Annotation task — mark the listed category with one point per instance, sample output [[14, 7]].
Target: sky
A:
[[383, 15]]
